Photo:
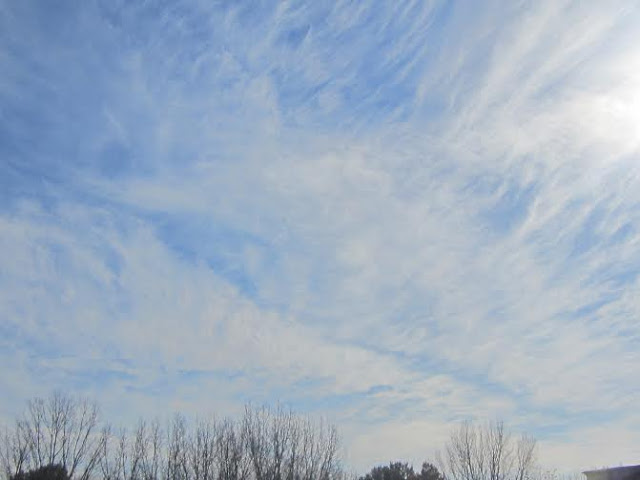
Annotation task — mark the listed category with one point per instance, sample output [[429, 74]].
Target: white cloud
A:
[[447, 231]]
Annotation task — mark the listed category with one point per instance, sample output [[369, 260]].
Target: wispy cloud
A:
[[398, 215]]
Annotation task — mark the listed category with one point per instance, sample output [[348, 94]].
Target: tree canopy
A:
[[403, 471], [47, 472]]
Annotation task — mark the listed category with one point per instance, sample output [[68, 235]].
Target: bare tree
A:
[[262, 445], [177, 465], [115, 457], [525, 458], [552, 474], [14, 453], [281, 446], [328, 443], [58, 430], [294, 455], [487, 452], [136, 457], [256, 439], [153, 458], [201, 451], [232, 458]]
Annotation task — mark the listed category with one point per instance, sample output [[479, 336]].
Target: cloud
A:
[[398, 216]]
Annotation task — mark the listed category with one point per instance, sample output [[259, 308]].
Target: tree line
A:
[[474, 452], [63, 438]]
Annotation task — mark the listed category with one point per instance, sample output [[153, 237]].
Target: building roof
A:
[[631, 472]]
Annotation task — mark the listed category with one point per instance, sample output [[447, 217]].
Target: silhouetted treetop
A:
[[403, 471], [48, 472]]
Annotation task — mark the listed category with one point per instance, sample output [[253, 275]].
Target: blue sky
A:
[[397, 215]]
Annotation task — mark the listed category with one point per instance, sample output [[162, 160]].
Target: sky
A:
[[393, 215]]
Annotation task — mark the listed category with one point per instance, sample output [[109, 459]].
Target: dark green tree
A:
[[48, 472], [403, 471], [429, 472], [393, 471]]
